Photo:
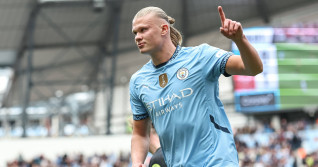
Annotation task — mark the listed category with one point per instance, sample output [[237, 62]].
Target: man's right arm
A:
[[154, 140], [140, 142]]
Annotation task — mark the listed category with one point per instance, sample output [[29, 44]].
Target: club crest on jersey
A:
[[182, 73], [163, 80]]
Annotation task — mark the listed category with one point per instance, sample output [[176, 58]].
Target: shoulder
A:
[[200, 48], [207, 47], [191, 48], [138, 76]]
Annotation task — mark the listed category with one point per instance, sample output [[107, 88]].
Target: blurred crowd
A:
[[293, 144], [78, 160], [297, 33]]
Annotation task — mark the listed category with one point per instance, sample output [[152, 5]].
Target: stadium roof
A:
[[76, 45]]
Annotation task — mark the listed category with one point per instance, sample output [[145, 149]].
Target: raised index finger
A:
[[222, 15]]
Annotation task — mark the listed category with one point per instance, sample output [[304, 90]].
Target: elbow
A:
[[257, 70], [260, 69]]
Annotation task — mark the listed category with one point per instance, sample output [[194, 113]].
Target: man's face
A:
[[147, 30]]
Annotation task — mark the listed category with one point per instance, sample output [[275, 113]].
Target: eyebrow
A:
[[139, 27], [134, 31]]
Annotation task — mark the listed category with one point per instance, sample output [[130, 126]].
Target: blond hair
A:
[[175, 35]]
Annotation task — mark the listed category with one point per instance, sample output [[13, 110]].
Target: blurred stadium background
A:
[[65, 67]]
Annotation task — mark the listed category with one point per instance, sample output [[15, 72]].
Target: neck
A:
[[164, 54]]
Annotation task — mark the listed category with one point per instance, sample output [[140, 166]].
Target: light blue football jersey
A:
[[182, 100]]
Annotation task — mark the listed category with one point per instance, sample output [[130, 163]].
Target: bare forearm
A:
[[252, 62], [139, 149], [154, 143]]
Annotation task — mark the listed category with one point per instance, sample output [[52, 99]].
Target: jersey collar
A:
[[175, 54]]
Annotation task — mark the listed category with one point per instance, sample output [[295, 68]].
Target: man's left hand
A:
[[230, 29]]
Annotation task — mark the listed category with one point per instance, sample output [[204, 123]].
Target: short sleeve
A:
[[138, 109], [214, 61]]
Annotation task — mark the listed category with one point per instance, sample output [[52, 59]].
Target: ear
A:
[[164, 29]]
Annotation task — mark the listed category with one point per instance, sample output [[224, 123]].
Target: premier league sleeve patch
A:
[[182, 74]]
